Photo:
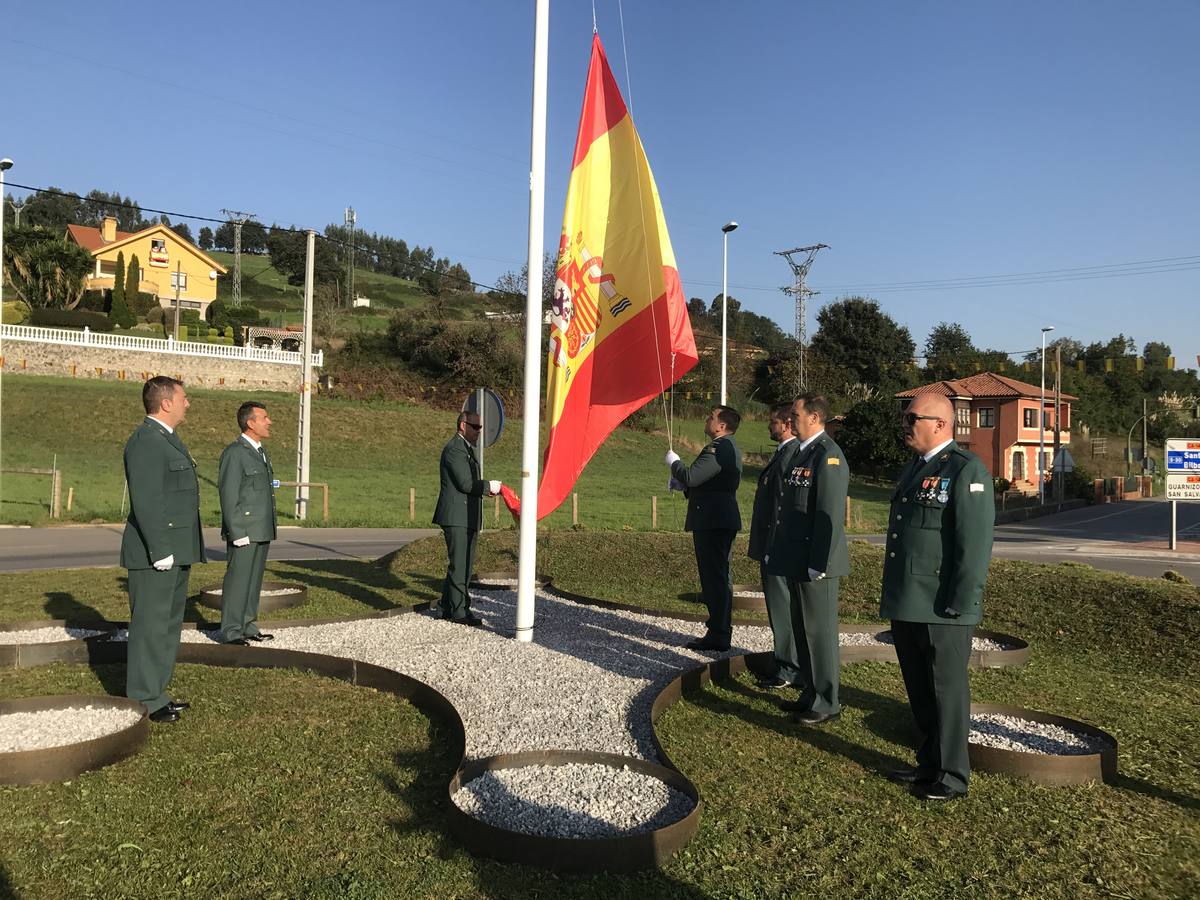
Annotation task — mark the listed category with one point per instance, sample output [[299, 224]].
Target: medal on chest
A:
[[800, 476], [934, 488]]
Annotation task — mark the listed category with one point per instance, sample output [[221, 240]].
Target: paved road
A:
[[1125, 537], [82, 546]]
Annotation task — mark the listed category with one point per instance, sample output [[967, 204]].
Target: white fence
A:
[[88, 338]]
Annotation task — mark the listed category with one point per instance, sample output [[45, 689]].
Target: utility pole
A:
[[801, 293], [304, 438], [237, 219], [175, 332], [351, 221], [17, 207], [1057, 477], [1145, 424]]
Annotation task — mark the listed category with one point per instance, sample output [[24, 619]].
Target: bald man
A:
[[939, 546]]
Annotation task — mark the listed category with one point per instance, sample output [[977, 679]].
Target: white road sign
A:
[[1183, 468]]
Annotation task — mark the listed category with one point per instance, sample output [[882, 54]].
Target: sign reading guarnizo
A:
[[1183, 468]]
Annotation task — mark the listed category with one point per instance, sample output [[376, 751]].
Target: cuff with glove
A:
[[672, 457], [163, 564], [242, 541], [674, 484], [814, 575], [494, 487]]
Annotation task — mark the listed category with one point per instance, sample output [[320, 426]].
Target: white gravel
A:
[[756, 594], [573, 801], [1013, 733], [187, 636], [48, 635], [279, 592], [884, 638], [58, 727]]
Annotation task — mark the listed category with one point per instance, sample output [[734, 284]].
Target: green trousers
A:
[[815, 627], [240, 589], [933, 659], [714, 551], [460, 552], [156, 601], [779, 614]]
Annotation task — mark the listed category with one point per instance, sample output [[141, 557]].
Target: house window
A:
[[962, 416], [1018, 466], [1030, 418], [181, 277], [108, 268], [987, 417]]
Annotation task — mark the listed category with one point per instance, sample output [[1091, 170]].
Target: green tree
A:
[[206, 238], [184, 231], [856, 335], [124, 287], [137, 301], [44, 269], [949, 352], [52, 209], [118, 291], [288, 249], [1156, 353], [871, 439]]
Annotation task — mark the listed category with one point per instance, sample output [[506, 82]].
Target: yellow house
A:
[[160, 252]]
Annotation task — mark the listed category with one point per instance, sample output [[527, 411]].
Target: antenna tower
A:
[[801, 260], [351, 221], [237, 220]]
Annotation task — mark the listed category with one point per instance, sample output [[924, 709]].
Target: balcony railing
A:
[[87, 338]]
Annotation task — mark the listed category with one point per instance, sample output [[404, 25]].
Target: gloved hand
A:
[[242, 541], [163, 564], [494, 487], [814, 575], [672, 457], [673, 484]]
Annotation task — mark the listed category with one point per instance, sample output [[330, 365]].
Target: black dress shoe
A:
[[164, 714], [773, 683], [179, 705], [707, 645], [468, 619], [937, 792], [260, 637], [239, 642], [815, 718], [910, 775]]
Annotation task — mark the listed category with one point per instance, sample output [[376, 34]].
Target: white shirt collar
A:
[[251, 441], [783, 444], [936, 450], [804, 444], [170, 430]]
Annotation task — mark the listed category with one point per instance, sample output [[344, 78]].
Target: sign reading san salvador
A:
[[1183, 469]]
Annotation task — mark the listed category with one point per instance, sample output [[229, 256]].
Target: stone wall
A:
[[65, 360]]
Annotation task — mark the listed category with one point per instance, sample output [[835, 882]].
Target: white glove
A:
[[163, 564], [494, 487], [242, 541], [814, 575], [672, 457], [674, 485]]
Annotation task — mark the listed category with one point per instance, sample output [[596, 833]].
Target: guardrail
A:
[[88, 338]]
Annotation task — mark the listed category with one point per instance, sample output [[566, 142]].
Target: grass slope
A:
[[370, 453], [789, 812]]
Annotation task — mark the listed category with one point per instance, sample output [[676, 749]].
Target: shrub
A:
[[16, 312], [97, 301], [141, 303], [1001, 485], [154, 315], [217, 313], [467, 353], [183, 332], [71, 318], [119, 313]]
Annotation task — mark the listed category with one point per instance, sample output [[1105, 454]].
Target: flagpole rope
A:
[[662, 390]]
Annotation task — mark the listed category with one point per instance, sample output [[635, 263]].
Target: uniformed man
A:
[[812, 555], [246, 484], [459, 512], [768, 500], [710, 485], [162, 540], [938, 549]]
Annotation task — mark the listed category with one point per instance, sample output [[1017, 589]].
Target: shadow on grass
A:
[[1146, 789], [63, 605], [7, 891], [353, 579]]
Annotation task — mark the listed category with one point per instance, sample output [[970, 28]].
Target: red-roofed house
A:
[[996, 418], [161, 253]]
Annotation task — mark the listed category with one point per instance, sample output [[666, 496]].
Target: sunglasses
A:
[[475, 425], [911, 419]]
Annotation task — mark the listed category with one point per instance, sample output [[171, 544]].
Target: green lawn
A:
[[370, 453], [280, 784]]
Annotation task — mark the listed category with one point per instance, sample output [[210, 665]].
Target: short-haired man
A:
[[710, 485], [935, 565], [765, 522], [459, 512], [246, 484], [813, 556], [162, 540]]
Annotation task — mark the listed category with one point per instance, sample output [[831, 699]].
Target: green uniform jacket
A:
[[939, 540], [767, 499], [811, 533], [460, 498], [164, 500], [247, 495], [710, 485]]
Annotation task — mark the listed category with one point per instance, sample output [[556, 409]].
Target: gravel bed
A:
[[278, 592], [884, 638], [187, 636], [756, 594], [577, 800], [1014, 733], [49, 635], [58, 727]]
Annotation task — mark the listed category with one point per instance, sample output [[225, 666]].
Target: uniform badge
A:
[[943, 490], [833, 461], [800, 477]]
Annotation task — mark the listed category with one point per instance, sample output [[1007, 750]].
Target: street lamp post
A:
[[5, 165], [731, 226], [1042, 424]]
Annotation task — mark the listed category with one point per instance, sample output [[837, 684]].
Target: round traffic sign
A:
[[487, 404]]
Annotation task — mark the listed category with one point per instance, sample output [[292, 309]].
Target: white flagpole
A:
[[527, 564]]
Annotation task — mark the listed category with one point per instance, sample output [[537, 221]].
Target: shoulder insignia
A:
[[943, 457], [976, 487], [833, 461], [711, 448]]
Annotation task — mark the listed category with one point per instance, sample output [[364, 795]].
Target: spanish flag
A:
[[619, 332]]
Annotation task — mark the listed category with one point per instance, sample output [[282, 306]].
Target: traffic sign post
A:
[[487, 404], [1183, 474]]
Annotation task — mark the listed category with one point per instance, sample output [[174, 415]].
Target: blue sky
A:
[[922, 141]]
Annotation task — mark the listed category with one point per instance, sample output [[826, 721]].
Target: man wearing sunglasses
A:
[[459, 512], [939, 545]]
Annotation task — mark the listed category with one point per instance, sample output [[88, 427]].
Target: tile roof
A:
[[985, 384], [90, 238]]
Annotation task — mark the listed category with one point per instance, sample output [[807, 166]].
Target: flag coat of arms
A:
[[619, 329]]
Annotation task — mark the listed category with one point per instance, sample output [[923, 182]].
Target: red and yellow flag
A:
[[619, 331]]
